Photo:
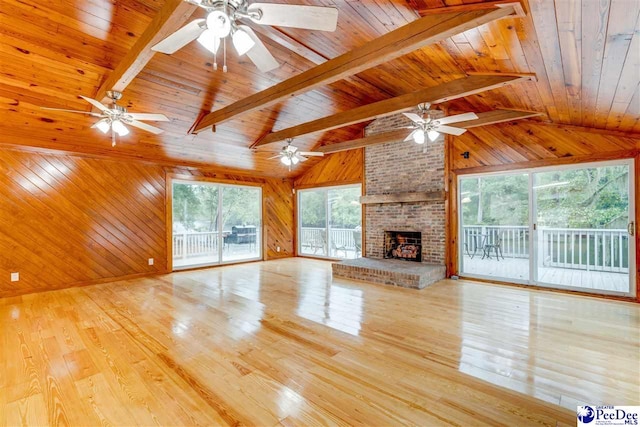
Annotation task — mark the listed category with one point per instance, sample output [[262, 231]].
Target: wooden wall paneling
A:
[[345, 167], [507, 144], [448, 205], [67, 221], [279, 218]]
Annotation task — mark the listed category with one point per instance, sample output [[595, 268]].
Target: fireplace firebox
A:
[[405, 245]]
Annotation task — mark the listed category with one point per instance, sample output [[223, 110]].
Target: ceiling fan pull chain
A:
[[224, 53], [215, 60], [224, 40], [113, 138]]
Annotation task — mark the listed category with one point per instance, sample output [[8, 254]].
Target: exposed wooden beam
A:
[[174, 13], [381, 138], [283, 39], [445, 92], [417, 34], [474, 6], [497, 116], [306, 53], [422, 196], [484, 119]]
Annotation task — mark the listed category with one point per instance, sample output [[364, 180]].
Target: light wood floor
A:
[[280, 343]]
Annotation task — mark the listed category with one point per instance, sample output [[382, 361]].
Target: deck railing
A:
[[585, 249], [194, 244], [515, 239], [313, 240]]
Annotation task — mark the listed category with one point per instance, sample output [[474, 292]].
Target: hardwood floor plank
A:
[[281, 343]]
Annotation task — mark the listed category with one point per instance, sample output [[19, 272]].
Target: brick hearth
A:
[[390, 272]]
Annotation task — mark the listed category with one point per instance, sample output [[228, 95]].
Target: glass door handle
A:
[[631, 228]]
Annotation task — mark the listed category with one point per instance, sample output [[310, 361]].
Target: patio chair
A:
[[495, 246], [357, 238]]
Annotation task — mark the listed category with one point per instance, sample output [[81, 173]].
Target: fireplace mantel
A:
[[422, 196]]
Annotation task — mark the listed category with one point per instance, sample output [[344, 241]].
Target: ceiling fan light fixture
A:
[[433, 135], [218, 23], [119, 128], [294, 160], [209, 41], [418, 136], [242, 41], [285, 160], [103, 125]]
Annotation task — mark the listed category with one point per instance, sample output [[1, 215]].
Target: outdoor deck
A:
[[518, 268], [233, 252]]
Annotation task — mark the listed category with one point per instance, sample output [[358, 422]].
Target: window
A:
[[215, 223], [330, 222], [563, 227]]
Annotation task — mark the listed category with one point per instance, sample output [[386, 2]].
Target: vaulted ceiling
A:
[[585, 56]]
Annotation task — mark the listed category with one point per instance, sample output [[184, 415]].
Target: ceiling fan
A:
[[223, 18], [431, 127], [289, 155], [115, 117]]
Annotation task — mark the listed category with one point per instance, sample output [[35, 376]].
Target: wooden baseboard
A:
[[21, 292]]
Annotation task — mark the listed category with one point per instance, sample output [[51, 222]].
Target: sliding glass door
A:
[[215, 223], [495, 231], [581, 220], [562, 227], [330, 222]]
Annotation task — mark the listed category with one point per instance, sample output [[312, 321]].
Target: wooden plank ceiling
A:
[[585, 54]]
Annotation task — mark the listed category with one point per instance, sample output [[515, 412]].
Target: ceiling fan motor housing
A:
[[114, 95]]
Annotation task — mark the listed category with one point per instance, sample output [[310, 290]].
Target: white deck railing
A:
[[313, 238], [577, 248], [515, 239], [194, 244], [586, 249]]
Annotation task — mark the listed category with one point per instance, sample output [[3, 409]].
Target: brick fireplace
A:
[[404, 167], [404, 245], [399, 169]]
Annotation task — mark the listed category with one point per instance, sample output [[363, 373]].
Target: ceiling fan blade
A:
[[414, 117], [145, 126], [274, 157], [410, 136], [457, 118], [259, 54], [148, 116], [297, 16], [99, 105], [91, 113], [311, 153], [181, 38], [450, 130], [301, 158]]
